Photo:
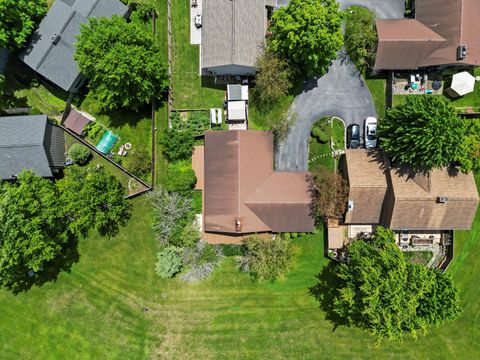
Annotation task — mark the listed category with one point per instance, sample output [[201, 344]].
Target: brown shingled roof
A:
[[368, 185], [417, 205], [432, 38], [240, 184], [403, 200]]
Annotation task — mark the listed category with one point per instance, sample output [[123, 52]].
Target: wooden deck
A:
[[197, 165]]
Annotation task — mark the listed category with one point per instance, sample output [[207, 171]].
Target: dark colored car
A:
[[353, 136]]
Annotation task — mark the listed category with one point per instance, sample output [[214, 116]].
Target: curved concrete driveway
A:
[[341, 92]]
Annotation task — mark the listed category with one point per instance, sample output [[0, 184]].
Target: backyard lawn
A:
[[113, 305], [190, 90]]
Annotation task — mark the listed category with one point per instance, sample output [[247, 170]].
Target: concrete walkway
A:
[[341, 92]]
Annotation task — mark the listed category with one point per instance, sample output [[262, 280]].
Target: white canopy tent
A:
[[462, 83], [237, 111]]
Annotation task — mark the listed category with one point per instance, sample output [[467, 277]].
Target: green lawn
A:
[[112, 305], [190, 90], [418, 257], [377, 89], [320, 153], [259, 119]]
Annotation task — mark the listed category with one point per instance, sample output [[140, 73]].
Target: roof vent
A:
[[350, 205], [461, 52], [238, 225], [56, 38], [442, 199]]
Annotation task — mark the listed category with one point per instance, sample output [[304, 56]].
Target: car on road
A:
[[353, 136], [370, 130], [198, 21]]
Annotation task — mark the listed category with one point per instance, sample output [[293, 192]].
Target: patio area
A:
[[418, 83]]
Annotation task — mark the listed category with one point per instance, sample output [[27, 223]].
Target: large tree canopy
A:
[[122, 61], [382, 292], [308, 34], [38, 217], [424, 132], [18, 19], [32, 229]]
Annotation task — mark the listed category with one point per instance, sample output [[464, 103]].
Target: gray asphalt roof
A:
[[30, 142], [233, 32], [56, 62]]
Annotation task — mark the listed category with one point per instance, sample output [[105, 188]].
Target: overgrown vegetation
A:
[[330, 193], [273, 80], [177, 145], [267, 259], [180, 177], [361, 37]]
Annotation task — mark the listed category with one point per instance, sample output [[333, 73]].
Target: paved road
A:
[[341, 92], [385, 9]]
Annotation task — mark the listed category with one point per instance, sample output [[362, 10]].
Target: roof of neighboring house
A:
[[233, 32], [240, 184], [76, 121], [404, 200], [417, 205], [30, 142], [432, 38], [367, 185], [56, 62]]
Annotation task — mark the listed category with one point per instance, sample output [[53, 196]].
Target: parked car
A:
[[198, 21], [353, 136], [370, 130]]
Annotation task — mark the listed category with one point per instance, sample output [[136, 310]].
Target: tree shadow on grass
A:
[[68, 256], [325, 291]]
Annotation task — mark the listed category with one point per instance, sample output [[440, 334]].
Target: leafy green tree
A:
[[361, 37], [180, 177], [177, 145], [424, 132], [79, 153], [92, 197], [18, 20], [267, 259], [122, 61], [471, 162], [380, 291], [169, 262], [272, 80], [32, 230], [308, 34]]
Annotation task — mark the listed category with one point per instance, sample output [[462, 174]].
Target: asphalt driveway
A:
[[341, 92]]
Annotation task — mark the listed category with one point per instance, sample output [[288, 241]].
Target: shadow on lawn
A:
[[325, 291], [68, 256]]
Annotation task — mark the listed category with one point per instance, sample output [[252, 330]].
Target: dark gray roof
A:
[[233, 32], [56, 62], [30, 142]]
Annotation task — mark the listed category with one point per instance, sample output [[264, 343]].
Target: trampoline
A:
[[107, 142]]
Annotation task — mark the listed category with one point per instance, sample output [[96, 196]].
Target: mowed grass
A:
[[377, 89], [113, 305], [190, 90]]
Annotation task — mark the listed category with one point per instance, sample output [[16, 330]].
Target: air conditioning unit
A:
[[350, 205], [461, 52], [442, 199], [55, 38]]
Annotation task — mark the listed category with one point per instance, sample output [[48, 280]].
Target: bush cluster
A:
[[169, 262], [79, 153], [180, 177]]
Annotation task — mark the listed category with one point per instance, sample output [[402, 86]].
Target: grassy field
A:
[[112, 305], [190, 90]]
